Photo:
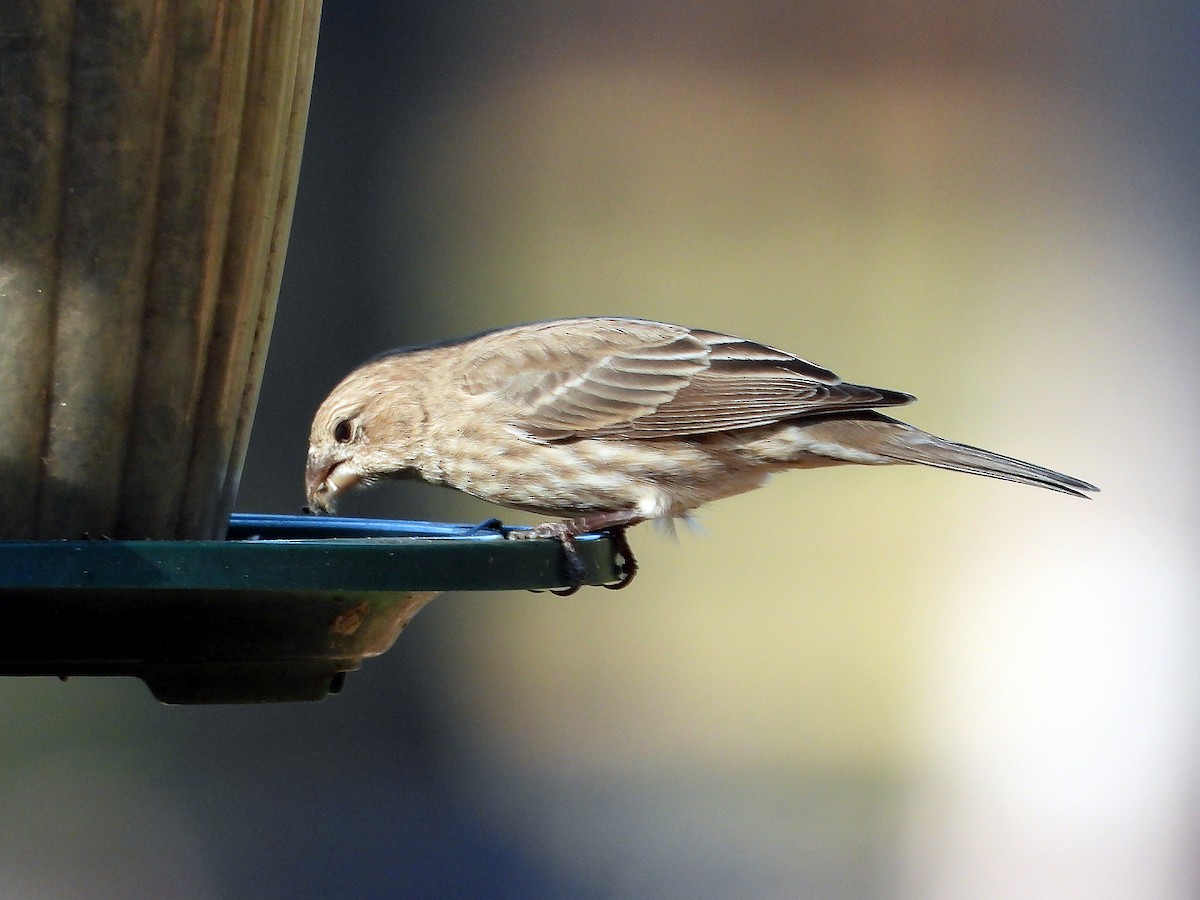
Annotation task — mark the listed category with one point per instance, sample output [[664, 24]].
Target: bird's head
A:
[[362, 432]]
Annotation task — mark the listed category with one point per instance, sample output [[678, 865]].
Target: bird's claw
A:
[[576, 571], [629, 563], [493, 525]]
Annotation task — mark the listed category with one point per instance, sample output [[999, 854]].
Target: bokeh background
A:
[[853, 684]]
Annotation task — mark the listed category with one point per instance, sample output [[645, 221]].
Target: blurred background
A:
[[889, 683]]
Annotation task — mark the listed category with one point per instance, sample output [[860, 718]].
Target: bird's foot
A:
[[613, 524], [561, 532]]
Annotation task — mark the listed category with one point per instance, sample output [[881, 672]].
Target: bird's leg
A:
[[614, 523]]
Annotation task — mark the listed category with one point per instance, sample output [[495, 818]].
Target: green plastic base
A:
[[279, 612]]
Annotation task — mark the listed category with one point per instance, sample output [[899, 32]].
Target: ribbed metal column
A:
[[148, 164]]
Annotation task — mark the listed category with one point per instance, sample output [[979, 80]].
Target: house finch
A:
[[611, 422]]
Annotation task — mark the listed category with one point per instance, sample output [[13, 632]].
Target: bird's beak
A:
[[325, 479]]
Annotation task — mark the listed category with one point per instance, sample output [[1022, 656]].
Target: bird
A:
[[606, 422]]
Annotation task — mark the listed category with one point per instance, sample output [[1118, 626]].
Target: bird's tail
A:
[[899, 442], [943, 454]]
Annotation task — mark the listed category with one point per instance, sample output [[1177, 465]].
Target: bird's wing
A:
[[582, 378]]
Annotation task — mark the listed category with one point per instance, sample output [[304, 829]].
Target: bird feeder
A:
[[148, 167], [281, 609]]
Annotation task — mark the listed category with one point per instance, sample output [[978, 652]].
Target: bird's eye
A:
[[343, 431]]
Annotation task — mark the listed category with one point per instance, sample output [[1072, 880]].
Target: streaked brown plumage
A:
[[613, 421]]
